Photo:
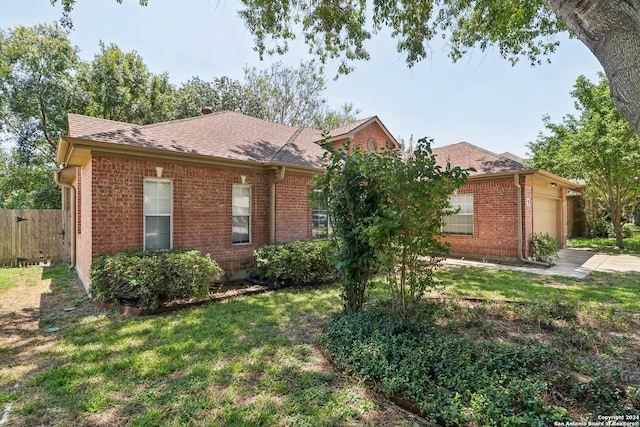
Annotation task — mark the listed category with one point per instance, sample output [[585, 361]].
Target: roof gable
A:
[[349, 131]]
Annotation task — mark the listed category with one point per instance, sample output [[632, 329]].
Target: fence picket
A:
[[38, 238]]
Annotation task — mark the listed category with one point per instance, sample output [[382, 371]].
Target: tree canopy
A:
[[524, 28], [42, 78], [597, 146]]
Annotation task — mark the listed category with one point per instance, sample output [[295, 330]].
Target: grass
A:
[[11, 278], [621, 291], [607, 245], [250, 361]]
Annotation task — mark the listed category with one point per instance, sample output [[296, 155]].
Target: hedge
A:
[[151, 279]]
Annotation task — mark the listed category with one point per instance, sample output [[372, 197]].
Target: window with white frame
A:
[[241, 214], [158, 210], [320, 223], [462, 222]]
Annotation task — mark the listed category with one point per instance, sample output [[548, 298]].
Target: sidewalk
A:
[[576, 263]]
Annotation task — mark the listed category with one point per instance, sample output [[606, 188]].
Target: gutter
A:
[[272, 204], [72, 227]]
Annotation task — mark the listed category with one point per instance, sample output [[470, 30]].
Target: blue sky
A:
[[481, 99]]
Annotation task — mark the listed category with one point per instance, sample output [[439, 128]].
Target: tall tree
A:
[[293, 96], [610, 29], [598, 146], [120, 87], [221, 94], [26, 184], [38, 65]]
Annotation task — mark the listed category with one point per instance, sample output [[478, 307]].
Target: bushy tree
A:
[[597, 146], [293, 96], [26, 183], [385, 211], [39, 64], [120, 87]]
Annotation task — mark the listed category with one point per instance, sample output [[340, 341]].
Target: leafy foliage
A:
[[455, 380], [385, 210], [517, 28], [153, 279], [292, 96], [599, 147], [543, 248], [42, 78], [302, 262], [26, 183], [40, 64]]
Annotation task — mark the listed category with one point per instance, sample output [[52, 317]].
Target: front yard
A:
[[255, 360]]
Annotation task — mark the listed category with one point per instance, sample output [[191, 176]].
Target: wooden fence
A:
[[30, 237]]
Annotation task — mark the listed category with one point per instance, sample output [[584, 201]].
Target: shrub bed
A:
[[151, 279], [454, 380], [303, 262]]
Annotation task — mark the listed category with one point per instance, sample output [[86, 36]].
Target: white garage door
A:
[[545, 216]]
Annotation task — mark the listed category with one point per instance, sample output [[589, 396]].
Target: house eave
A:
[[77, 151], [546, 175]]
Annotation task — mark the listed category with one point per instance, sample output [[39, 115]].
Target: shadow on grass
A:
[[247, 361]]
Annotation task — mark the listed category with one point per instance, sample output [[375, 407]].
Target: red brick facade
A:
[[276, 162], [495, 218], [110, 187], [111, 200]]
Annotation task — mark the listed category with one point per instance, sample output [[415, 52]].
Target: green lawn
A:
[[631, 245], [15, 277], [619, 291], [252, 360], [248, 361]]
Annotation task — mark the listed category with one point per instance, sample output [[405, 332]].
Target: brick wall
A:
[[362, 137], [495, 220], [293, 209], [370, 133], [113, 194]]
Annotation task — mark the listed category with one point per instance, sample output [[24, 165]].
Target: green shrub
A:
[[152, 279], [628, 230], [602, 228], [302, 262], [543, 248]]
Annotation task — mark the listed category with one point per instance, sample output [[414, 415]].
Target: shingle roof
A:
[[225, 135], [483, 161], [344, 130]]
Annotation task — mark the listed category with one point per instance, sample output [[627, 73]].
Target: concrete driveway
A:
[[576, 263]]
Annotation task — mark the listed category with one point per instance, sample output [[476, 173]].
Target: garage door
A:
[[545, 216]]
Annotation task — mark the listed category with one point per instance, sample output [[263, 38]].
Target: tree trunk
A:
[[611, 30]]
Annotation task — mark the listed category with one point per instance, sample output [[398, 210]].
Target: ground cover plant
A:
[[502, 348]]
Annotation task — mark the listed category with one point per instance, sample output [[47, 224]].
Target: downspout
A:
[[72, 227], [272, 207], [520, 230], [516, 179]]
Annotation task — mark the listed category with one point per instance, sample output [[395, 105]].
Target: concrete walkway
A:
[[576, 263]]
